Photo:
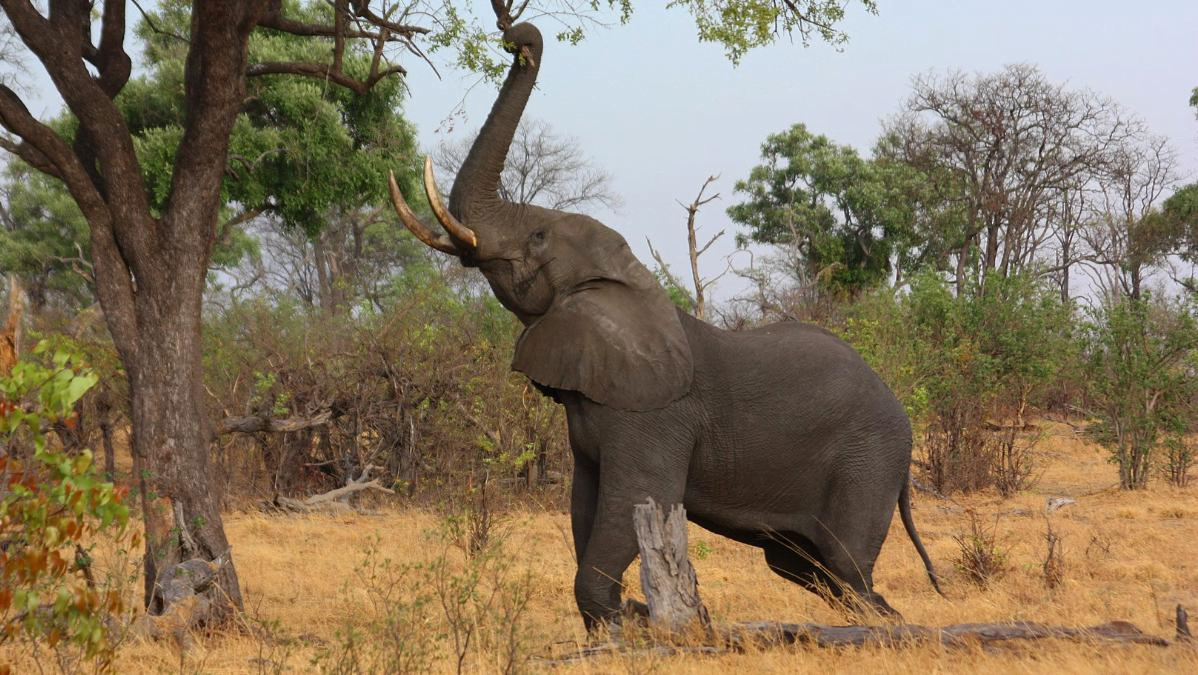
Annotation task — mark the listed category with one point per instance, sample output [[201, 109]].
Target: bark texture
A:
[[667, 576]]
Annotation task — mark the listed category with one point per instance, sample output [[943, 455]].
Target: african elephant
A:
[[780, 437]]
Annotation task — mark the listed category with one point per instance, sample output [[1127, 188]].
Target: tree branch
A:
[[322, 71]]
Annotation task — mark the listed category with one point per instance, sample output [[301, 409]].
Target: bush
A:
[[968, 368], [53, 504], [421, 389], [1141, 358]]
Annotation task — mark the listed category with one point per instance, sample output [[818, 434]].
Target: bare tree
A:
[[1011, 142], [542, 168], [1126, 233], [694, 250]]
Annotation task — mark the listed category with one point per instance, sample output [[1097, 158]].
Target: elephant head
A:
[[596, 320]]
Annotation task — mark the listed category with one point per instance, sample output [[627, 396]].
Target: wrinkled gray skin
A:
[[779, 437]]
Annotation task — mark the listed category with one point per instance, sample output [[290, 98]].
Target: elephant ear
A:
[[618, 344]]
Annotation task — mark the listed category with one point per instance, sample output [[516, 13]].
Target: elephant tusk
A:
[[456, 229], [410, 221]]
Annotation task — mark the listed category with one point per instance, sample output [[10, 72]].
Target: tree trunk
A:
[[105, 413], [667, 576], [181, 498]]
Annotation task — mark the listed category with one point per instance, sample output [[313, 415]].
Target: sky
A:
[[660, 111]]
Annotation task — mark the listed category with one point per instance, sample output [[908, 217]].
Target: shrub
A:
[[421, 389], [968, 368], [1140, 353], [1179, 458], [979, 556], [53, 504]]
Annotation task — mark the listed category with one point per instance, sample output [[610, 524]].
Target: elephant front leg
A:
[[584, 501], [612, 545]]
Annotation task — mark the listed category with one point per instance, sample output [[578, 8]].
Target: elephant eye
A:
[[537, 237]]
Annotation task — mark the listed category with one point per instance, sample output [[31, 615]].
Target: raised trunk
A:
[[476, 189]]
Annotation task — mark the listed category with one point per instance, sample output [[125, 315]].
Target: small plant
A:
[[1014, 464], [397, 635], [481, 625], [484, 606], [51, 506], [472, 523], [1179, 458], [979, 557], [1053, 568]]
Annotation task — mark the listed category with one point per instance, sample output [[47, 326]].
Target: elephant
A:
[[779, 437]]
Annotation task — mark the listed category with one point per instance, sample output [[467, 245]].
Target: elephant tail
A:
[[909, 525]]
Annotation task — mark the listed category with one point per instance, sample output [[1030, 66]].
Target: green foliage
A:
[[879, 327], [54, 505], [741, 25], [1141, 359], [679, 295], [302, 149], [958, 362], [843, 214], [48, 247]]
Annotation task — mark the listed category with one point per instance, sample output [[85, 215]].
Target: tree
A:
[[542, 168], [841, 213], [1128, 232], [1012, 143], [699, 301], [44, 242], [152, 234]]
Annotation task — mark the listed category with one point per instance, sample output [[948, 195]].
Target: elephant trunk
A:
[[475, 195]]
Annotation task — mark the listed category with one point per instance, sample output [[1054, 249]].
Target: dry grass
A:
[[1129, 556]]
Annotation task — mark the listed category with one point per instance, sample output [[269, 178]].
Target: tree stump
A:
[[667, 576]]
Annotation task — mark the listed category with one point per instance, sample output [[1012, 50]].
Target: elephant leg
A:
[[584, 498], [796, 559], [613, 545], [852, 562]]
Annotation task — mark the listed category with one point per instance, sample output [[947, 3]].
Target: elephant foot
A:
[[634, 609], [611, 626]]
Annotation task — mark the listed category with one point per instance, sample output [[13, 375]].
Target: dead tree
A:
[[667, 576], [694, 250]]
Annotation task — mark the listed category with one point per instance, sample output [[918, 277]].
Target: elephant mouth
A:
[[524, 285]]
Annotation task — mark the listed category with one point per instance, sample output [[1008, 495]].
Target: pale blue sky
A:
[[661, 112]]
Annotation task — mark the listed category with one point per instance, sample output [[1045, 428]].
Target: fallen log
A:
[[737, 638], [256, 424], [957, 635], [334, 500]]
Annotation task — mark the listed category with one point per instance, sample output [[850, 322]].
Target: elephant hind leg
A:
[[794, 558]]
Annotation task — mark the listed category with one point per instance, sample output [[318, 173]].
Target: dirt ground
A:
[[1126, 556]]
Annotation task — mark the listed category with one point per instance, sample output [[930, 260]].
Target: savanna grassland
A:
[[1128, 555]]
